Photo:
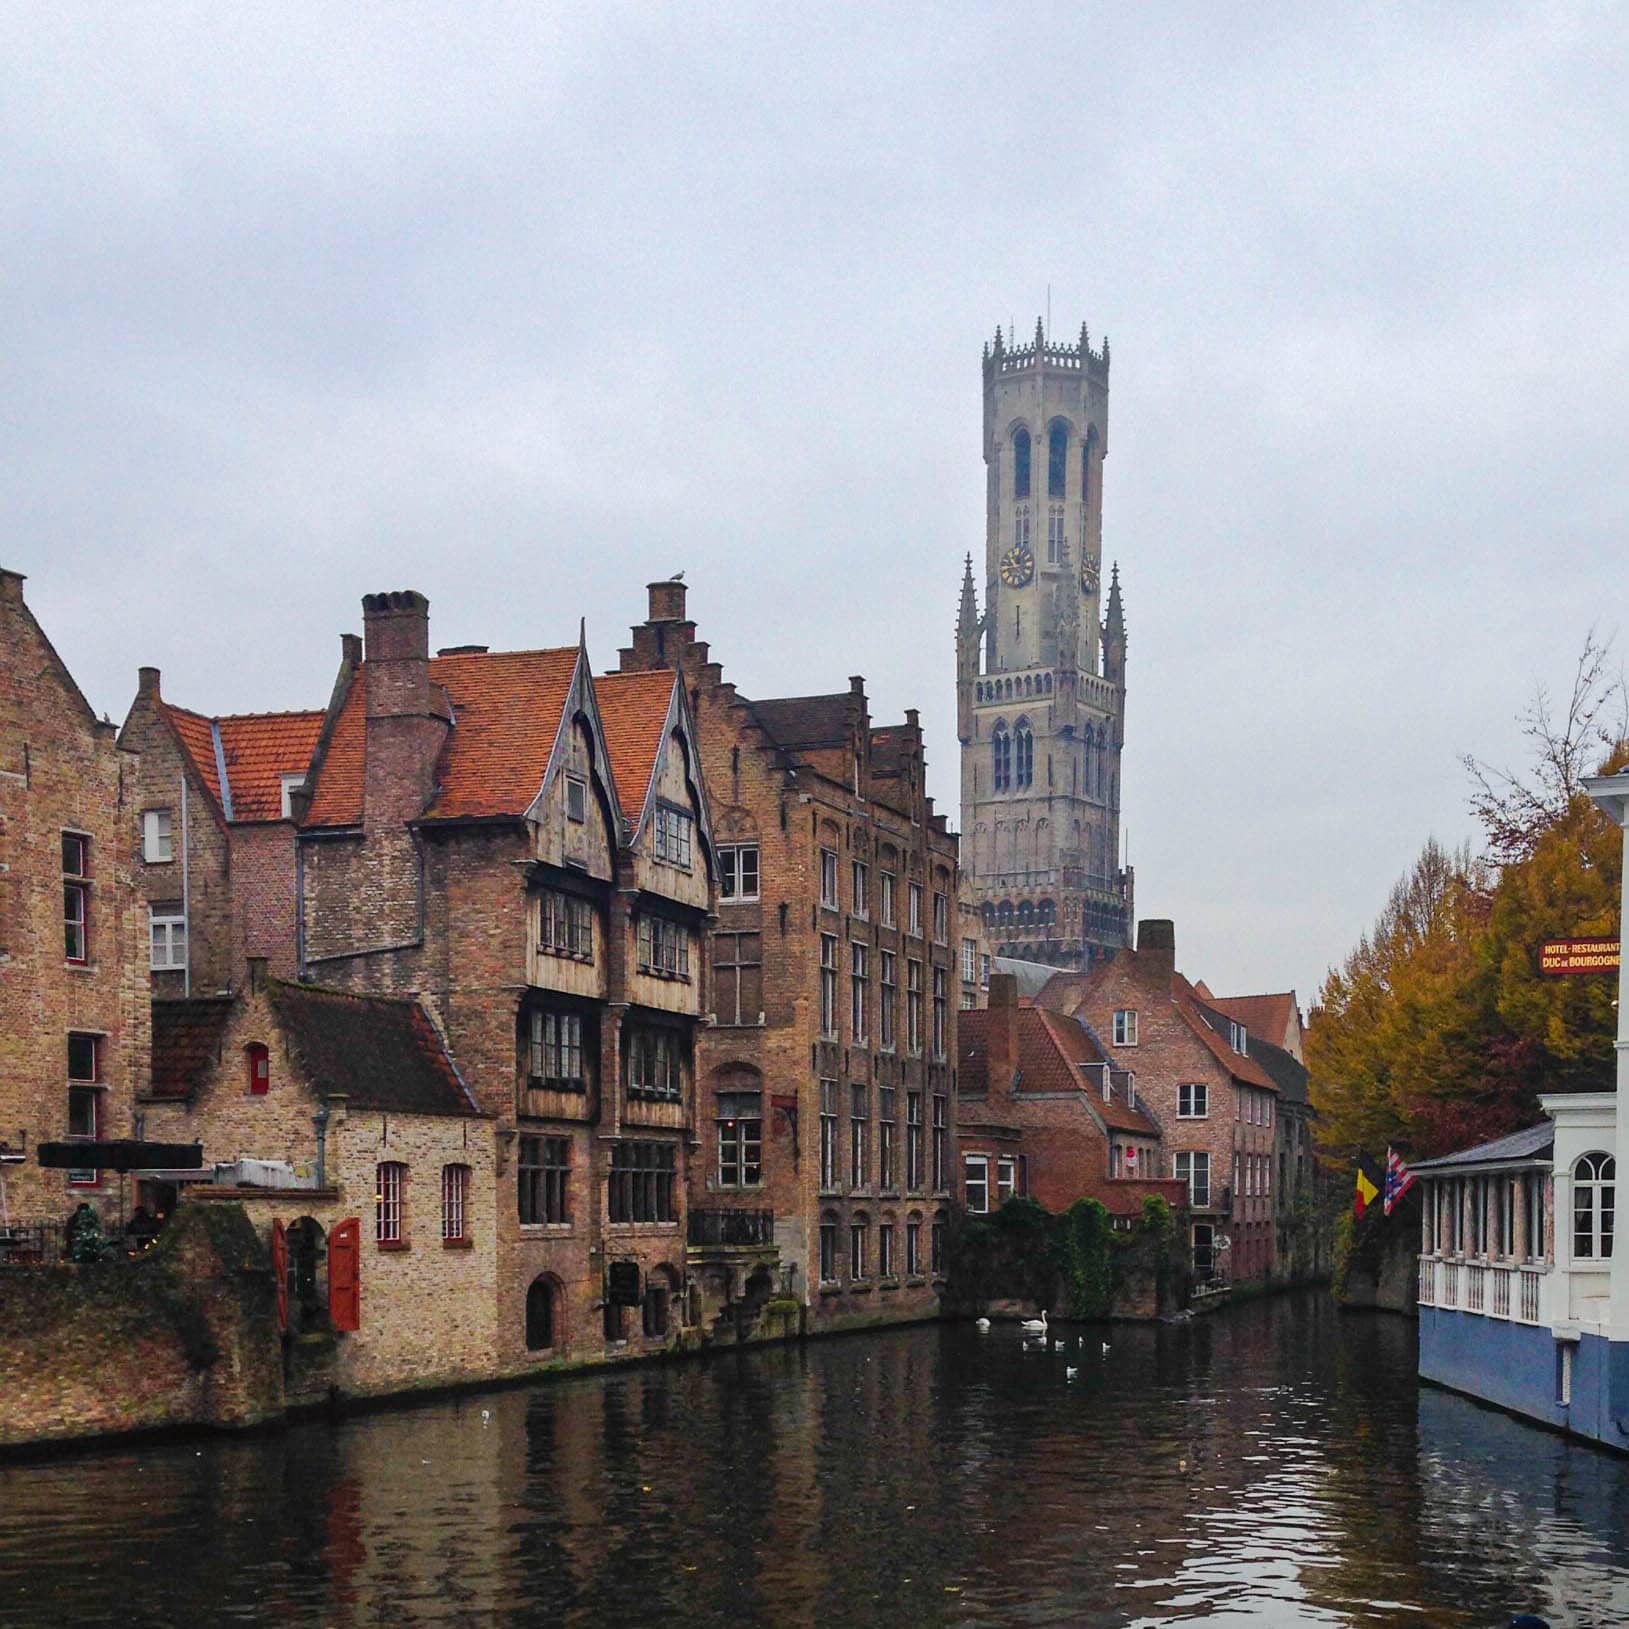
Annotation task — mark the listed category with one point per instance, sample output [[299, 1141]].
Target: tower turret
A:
[[1041, 725]]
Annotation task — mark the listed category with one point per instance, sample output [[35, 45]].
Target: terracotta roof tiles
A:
[[258, 750], [633, 709]]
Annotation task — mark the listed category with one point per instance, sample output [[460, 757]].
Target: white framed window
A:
[[1125, 1026], [890, 997], [1236, 1036], [859, 1135], [976, 1183], [828, 879], [576, 799], [675, 836], [859, 968], [389, 1200], [828, 1134], [970, 961], [861, 889], [157, 837], [287, 786], [76, 896], [886, 903], [455, 1204], [913, 919], [1594, 1203], [828, 986], [1054, 533], [740, 1139], [1193, 1101], [941, 1005], [1006, 1180], [913, 1007], [166, 938], [984, 970], [856, 1250], [941, 919], [1194, 1169], [738, 871]]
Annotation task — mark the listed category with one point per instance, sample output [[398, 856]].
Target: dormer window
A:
[[576, 799], [290, 785], [1236, 1036], [674, 836]]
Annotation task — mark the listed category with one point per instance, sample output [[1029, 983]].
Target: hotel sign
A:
[[1578, 956]]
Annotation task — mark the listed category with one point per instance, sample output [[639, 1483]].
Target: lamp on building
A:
[[320, 1122]]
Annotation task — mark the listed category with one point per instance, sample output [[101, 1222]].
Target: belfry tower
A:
[[1041, 675]]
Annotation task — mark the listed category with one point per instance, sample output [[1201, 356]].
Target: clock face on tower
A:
[[1017, 566], [1088, 578]]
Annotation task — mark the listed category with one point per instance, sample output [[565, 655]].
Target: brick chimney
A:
[[11, 587], [1001, 1033], [666, 600], [1156, 943], [405, 730], [147, 683], [667, 638]]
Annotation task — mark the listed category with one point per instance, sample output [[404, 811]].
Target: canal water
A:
[[1274, 1465]]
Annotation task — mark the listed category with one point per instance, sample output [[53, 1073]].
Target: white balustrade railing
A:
[[1475, 1287], [1499, 1306], [1428, 1282], [1528, 1298], [1494, 1289], [1450, 1285]]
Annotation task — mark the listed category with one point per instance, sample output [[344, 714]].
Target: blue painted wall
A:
[[1517, 1366]]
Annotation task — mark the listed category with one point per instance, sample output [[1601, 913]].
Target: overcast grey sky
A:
[[522, 306]]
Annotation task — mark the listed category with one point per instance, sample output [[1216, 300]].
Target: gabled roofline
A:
[[581, 697]]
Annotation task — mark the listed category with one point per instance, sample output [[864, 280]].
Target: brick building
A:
[[1216, 1104], [826, 1109], [214, 836], [528, 850], [74, 1026], [373, 1167], [1044, 1109]]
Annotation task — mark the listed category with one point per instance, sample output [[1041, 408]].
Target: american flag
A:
[[1399, 1179]]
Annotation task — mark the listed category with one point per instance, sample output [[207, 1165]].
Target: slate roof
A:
[[1032, 977], [256, 750], [505, 708], [633, 709], [1535, 1143], [1212, 1027], [187, 1043], [1288, 1076], [382, 1053]]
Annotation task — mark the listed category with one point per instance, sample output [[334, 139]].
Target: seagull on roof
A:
[[677, 577]]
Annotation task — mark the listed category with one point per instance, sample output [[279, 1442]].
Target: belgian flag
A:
[[1366, 1193]]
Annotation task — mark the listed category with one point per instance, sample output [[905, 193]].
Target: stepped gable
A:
[[187, 1043], [634, 710], [505, 708], [382, 1053]]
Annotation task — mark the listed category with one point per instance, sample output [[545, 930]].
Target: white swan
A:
[[981, 1324], [1035, 1326]]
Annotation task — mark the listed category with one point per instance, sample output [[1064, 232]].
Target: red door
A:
[[280, 1271], [345, 1275]]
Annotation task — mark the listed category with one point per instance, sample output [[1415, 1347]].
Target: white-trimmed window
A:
[[76, 896], [913, 909], [1594, 1202], [859, 968], [913, 1248], [913, 1007], [166, 938], [1193, 1100], [1125, 1026], [157, 837], [390, 1203], [1006, 1180], [886, 903], [941, 1007], [970, 961], [675, 836], [828, 878], [1194, 1169], [885, 1250], [861, 889], [1532, 1218], [738, 871], [828, 986], [287, 786], [455, 1204], [941, 1141], [828, 1134], [941, 919], [976, 1183], [890, 996], [859, 1135], [1236, 1036], [740, 1139], [1054, 533]]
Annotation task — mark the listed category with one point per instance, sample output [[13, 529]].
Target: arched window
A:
[[1026, 913], [1057, 455], [1023, 753], [1001, 756], [1047, 684], [1593, 1203], [540, 1314], [1004, 913], [1047, 913], [1020, 464]]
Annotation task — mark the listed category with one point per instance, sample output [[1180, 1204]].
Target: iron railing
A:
[[731, 1227]]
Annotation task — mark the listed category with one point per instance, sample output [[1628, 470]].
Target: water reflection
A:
[[1276, 1466]]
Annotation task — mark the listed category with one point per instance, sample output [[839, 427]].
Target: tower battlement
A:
[[1004, 357]]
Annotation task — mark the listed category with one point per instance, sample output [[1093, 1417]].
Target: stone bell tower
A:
[[1041, 674]]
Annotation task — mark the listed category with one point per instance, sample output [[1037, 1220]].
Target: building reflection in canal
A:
[[1274, 1466]]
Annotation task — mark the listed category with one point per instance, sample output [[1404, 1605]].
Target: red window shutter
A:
[[280, 1271], [259, 1070], [345, 1275]]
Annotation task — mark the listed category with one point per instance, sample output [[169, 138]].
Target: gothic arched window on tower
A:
[[1057, 458], [1024, 752], [1054, 534], [1020, 463], [1001, 756]]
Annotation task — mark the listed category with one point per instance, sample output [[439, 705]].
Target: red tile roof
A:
[[1239, 1065], [258, 748], [506, 714], [633, 709], [1272, 1017]]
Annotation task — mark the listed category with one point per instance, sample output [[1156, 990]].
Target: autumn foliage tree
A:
[[1439, 1031]]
